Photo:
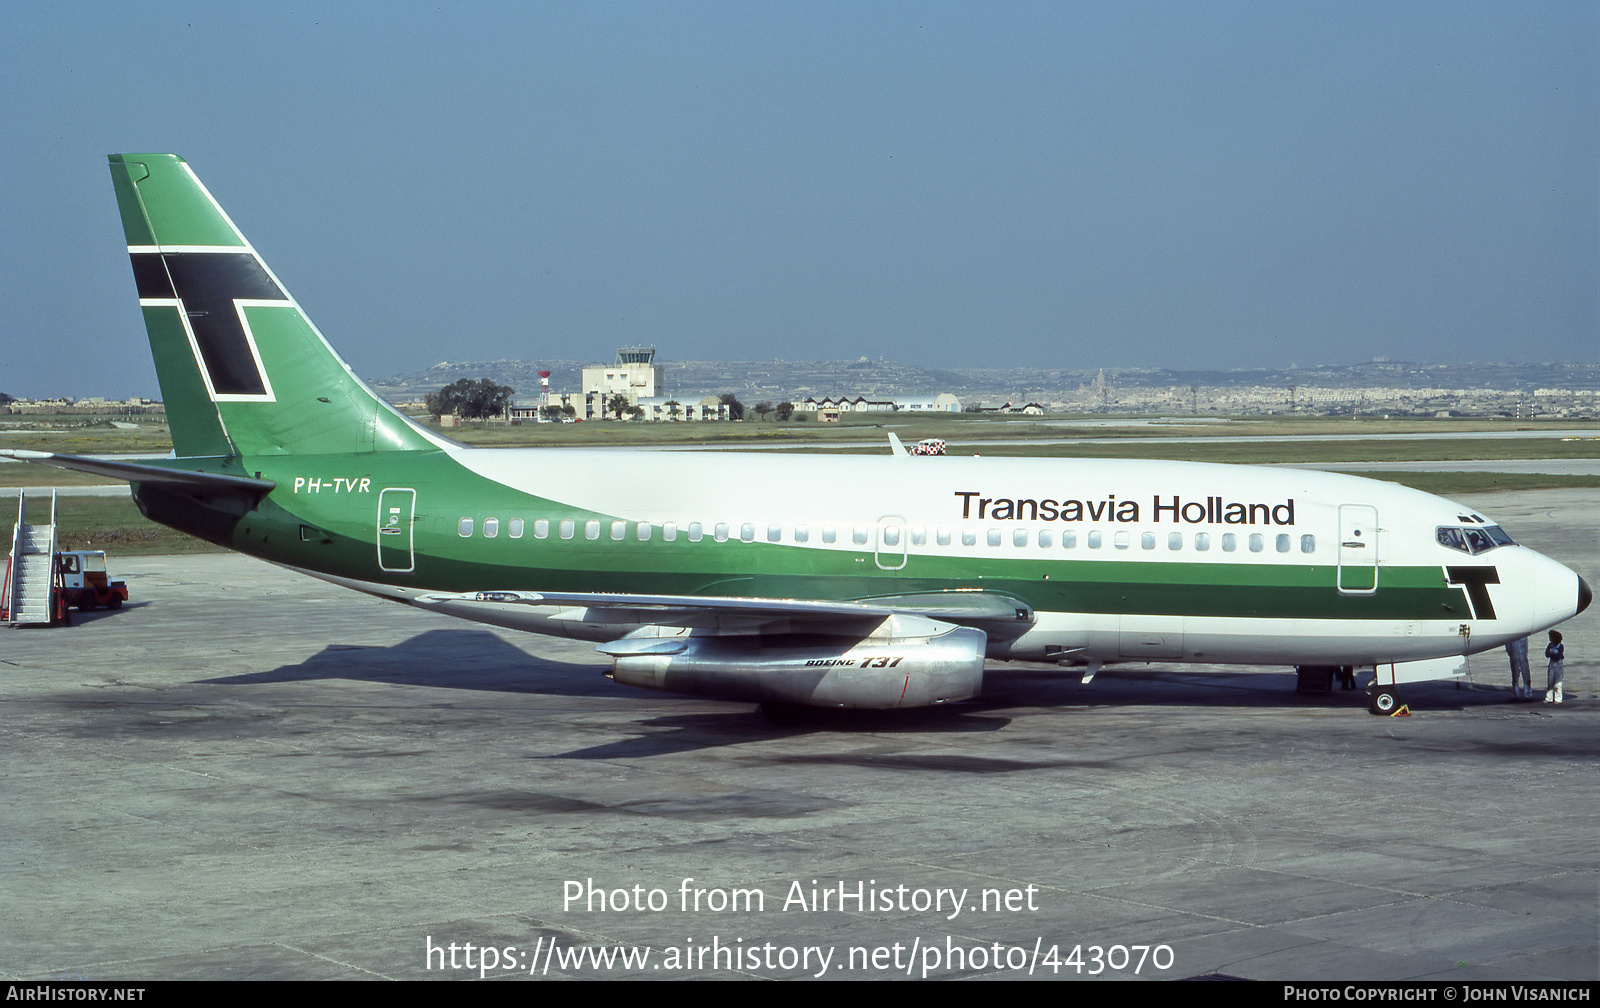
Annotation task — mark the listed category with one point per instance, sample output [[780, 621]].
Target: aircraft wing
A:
[[1000, 616], [136, 472]]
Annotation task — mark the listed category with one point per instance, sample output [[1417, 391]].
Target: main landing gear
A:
[[1382, 700]]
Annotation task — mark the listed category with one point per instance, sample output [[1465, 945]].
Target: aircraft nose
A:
[[1557, 592]]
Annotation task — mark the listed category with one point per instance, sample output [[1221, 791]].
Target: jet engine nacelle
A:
[[941, 665]]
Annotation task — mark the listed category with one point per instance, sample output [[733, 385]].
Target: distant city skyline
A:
[[1214, 186]]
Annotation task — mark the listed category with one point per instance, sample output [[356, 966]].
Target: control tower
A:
[[634, 374]]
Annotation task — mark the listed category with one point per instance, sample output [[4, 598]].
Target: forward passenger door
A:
[[1358, 549]]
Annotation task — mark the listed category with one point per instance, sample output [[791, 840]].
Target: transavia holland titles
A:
[[1175, 509]]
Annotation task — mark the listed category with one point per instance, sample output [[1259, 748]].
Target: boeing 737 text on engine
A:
[[709, 573]]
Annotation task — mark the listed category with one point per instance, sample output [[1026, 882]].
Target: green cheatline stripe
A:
[[449, 562]]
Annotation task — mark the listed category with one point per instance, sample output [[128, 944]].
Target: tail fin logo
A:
[[212, 288]]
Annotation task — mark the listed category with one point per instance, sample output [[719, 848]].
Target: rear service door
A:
[[397, 511]]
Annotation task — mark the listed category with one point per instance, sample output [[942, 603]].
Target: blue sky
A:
[[1075, 185]]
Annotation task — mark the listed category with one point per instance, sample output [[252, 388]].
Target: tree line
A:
[[480, 398]]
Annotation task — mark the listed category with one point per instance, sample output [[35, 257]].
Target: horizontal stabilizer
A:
[[136, 472]]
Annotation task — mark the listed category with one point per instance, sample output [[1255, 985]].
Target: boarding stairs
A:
[[30, 583]]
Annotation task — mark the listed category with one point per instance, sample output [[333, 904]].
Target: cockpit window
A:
[[1473, 539]]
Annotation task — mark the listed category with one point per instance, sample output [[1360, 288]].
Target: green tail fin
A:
[[242, 369]]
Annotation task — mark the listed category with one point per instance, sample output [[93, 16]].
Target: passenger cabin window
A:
[[995, 536], [830, 534], [942, 537], [619, 529], [1256, 542], [1046, 538], [695, 532], [858, 535], [774, 533], [1147, 540], [1019, 537], [802, 533], [514, 529], [1230, 542], [719, 531], [1174, 540], [1122, 540], [491, 527], [1202, 541], [591, 529], [643, 531], [969, 537], [541, 528], [747, 532], [669, 531], [1094, 539], [567, 525], [1283, 543], [464, 527], [1308, 544]]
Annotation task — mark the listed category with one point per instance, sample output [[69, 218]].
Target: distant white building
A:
[[944, 402], [668, 409], [528, 407]]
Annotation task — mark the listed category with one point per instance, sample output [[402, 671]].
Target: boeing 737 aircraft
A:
[[842, 581]]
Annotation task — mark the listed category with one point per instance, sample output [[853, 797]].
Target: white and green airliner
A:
[[848, 581]]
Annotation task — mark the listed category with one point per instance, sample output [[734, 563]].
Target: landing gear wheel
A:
[[1382, 700]]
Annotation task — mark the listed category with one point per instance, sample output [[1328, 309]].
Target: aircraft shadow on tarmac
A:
[[481, 660], [445, 659], [1007, 690], [673, 733], [1157, 686]]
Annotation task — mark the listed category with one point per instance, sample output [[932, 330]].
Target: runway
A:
[[1541, 466], [906, 429], [246, 773]]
